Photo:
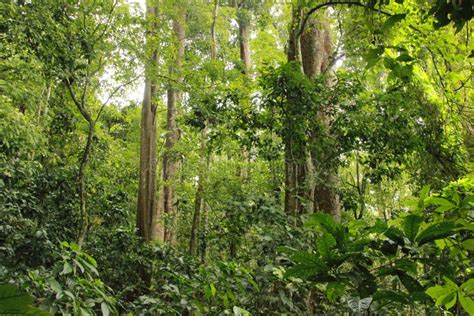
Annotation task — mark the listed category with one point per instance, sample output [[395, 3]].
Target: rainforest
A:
[[236, 157]]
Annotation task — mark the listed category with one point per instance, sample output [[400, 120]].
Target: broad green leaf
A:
[[443, 208], [406, 265], [373, 56], [306, 269], [55, 285], [468, 287], [448, 300], [468, 244], [410, 283], [411, 224], [395, 235], [325, 244], [436, 291], [404, 58], [13, 301], [323, 220], [391, 296], [435, 231], [440, 201], [456, 198], [391, 21], [467, 303], [424, 192]]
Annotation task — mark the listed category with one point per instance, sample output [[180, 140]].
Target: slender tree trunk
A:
[[291, 156], [243, 20], [199, 200], [83, 162], [146, 208], [82, 183], [170, 161]]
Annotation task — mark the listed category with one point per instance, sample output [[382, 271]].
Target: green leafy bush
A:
[[396, 263]]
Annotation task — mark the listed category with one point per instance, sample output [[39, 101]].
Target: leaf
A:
[[104, 307], [411, 224], [447, 300], [404, 58], [436, 291], [468, 287], [55, 285], [411, 284], [467, 303], [395, 235], [323, 220], [285, 299], [443, 208], [325, 244], [67, 268], [435, 231], [391, 21], [373, 56], [406, 265], [379, 227], [468, 244], [334, 290], [308, 265], [424, 192], [391, 296], [13, 301], [440, 201]]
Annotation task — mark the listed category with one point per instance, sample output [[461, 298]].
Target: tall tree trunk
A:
[[170, 161], [316, 51], [146, 208]]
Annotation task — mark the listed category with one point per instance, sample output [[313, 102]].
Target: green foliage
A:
[[13, 301], [72, 285], [367, 260]]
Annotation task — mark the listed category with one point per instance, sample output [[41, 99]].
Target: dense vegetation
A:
[[282, 157]]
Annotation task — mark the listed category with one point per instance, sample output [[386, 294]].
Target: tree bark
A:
[[170, 161], [292, 164], [244, 39], [316, 51], [146, 208]]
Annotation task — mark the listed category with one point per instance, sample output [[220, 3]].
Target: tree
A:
[[147, 216]]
